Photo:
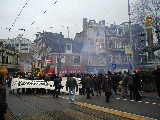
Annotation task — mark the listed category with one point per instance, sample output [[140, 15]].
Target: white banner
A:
[[23, 83]]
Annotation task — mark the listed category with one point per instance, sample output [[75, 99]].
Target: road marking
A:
[[67, 98], [146, 102], [112, 111]]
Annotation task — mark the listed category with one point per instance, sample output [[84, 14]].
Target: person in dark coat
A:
[[98, 84], [57, 84], [156, 74], [114, 78], [125, 79], [88, 85], [131, 86], [136, 86], [72, 87], [107, 87], [82, 82], [3, 104]]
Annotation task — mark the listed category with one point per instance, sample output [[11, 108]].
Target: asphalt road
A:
[[44, 105], [149, 107]]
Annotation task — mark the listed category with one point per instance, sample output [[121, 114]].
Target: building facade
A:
[[61, 52], [23, 46], [105, 48], [97, 48], [9, 57]]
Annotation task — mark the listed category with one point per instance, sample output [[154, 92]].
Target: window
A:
[[76, 60], [101, 45], [110, 44], [68, 48], [63, 59]]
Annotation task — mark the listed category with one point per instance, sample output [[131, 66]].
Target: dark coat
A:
[[71, 83], [3, 103], [107, 85], [57, 82], [89, 83]]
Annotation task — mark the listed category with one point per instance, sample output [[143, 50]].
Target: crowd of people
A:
[[111, 84], [124, 84], [127, 85]]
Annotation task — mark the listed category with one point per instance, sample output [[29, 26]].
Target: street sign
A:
[[114, 66]]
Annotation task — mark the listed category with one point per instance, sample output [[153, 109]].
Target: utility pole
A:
[[130, 35]]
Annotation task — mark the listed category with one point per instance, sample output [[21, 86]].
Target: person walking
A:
[[88, 85], [82, 82], [136, 86], [125, 79], [98, 84], [57, 84], [107, 88], [72, 87], [131, 86]]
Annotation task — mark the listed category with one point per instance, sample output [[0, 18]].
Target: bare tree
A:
[[143, 8]]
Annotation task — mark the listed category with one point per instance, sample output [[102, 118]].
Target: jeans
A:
[[113, 92], [71, 94]]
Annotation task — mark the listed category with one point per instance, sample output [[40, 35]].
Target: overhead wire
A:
[[20, 11], [18, 15], [43, 12]]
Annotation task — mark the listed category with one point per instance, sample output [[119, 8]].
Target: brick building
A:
[[62, 52]]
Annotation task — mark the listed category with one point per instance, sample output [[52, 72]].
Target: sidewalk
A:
[[153, 95]]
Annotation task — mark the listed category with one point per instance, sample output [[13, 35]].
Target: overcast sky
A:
[[57, 16]]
